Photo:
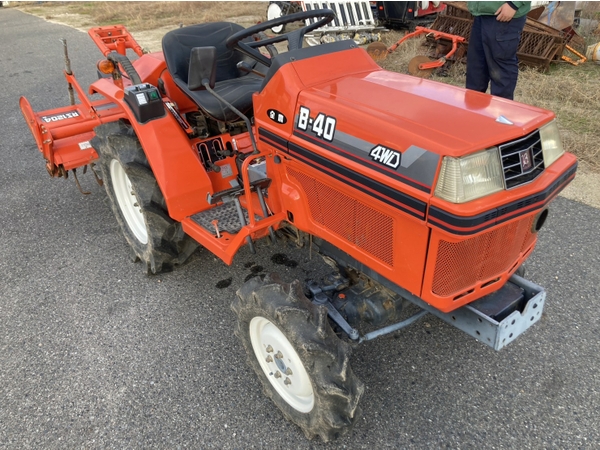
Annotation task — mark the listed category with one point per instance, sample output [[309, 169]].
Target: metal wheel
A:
[[128, 202], [281, 364], [275, 11]]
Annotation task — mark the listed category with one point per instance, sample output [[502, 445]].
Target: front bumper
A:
[[515, 308]]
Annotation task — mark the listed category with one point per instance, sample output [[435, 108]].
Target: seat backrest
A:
[[177, 46]]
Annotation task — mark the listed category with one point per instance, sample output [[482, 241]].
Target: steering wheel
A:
[[294, 38]]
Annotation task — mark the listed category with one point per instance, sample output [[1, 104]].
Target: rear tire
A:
[[136, 200], [302, 365]]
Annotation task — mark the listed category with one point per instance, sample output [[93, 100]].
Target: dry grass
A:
[[141, 16], [590, 10], [573, 93]]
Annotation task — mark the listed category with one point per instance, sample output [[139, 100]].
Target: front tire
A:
[[302, 365], [136, 200]]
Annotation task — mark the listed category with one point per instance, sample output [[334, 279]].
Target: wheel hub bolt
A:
[[279, 355], [288, 371], [269, 349], [277, 374], [269, 359], [287, 381]]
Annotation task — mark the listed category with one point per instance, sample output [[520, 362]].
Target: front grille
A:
[[461, 266], [522, 160]]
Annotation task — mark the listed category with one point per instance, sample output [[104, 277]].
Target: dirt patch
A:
[[151, 39]]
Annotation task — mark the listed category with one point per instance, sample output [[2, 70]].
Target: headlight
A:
[[470, 177], [551, 144]]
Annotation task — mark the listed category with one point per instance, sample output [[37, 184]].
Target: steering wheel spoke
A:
[[253, 53], [294, 38]]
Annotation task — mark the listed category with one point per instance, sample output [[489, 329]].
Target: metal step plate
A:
[[225, 215]]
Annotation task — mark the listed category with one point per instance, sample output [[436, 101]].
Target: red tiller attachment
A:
[[424, 65], [63, 134], [436, 35]]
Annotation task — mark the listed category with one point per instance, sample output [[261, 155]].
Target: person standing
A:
[[492, 53]]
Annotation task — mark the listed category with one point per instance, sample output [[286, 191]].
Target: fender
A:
[[186, 193]]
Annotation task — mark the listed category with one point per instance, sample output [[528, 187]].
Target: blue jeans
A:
[[492, 55]]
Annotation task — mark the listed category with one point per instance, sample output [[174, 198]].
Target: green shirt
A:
[[490, 8]]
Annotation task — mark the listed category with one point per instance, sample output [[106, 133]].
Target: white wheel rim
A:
[[281, 364], [274, 12], [128, 202]]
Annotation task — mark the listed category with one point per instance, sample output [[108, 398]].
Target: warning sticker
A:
[[141, 98]]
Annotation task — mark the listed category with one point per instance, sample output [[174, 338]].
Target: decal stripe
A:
[[273, 139], [365, 161], [474, 224], [397, 199], [437, 217]]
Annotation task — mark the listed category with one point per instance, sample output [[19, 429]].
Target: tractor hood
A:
[[352, 116], [400, 111]]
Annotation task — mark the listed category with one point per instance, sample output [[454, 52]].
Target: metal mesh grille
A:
[[458, 11], [453, 25], [487, 256], [349, 218], [538, 44], [522, 160]]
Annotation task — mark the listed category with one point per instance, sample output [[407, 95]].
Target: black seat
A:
[[233, 86]]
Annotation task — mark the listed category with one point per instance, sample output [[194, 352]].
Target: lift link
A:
[[394, 327], [319, 297]]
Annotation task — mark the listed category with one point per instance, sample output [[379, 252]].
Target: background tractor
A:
[[422, 197]]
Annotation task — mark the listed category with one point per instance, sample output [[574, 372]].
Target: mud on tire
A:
[[136, 200], [284, 333]]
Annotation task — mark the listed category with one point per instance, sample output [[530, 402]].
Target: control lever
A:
[[213, 166], [243, 66]]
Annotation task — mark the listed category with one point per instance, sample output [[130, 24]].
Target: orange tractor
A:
[[417, 192]]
